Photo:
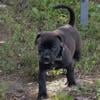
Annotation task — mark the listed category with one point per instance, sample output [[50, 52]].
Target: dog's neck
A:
[[59, 56]]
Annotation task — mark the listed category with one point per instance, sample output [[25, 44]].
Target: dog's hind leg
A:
[[70, 75], [77, 55]]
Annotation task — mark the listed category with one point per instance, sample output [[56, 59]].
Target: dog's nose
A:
[[46, 58]]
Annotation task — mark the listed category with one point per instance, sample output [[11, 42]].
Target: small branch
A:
[[1, 42]]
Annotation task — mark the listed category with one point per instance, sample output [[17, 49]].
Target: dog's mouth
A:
[[59, 58], [48, 62]]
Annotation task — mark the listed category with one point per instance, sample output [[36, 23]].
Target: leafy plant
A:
[[62, 96], [20, 53]]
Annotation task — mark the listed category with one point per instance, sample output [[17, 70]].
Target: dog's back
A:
[[69, 33]]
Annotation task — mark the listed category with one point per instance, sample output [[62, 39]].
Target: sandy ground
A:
[[17, 89]]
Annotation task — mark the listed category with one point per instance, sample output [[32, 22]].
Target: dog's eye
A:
[[39, 50], [54, 48]]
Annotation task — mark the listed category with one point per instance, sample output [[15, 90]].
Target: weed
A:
[[20, 53]]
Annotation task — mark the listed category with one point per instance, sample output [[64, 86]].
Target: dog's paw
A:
[[44, 97], [70, 84], [73, 83]]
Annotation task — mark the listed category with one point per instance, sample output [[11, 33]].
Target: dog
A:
[[58, 49]]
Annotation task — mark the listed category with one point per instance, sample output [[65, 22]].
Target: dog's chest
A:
[[58, 65]]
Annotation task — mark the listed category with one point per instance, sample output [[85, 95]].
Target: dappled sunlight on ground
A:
[[86, 88]]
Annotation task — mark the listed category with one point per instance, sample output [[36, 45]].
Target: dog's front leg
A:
[[42, 83], [70, 75]]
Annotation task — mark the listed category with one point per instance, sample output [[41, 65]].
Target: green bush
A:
[[20, 53]]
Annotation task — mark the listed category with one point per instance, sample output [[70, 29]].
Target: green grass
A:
[[62, 96], [98, 89], [85, 91], [3, 88], [20, 49]]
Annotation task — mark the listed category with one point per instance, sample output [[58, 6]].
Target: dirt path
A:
[[16, 89]]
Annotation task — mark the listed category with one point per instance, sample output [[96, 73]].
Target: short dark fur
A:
[[58, 49]]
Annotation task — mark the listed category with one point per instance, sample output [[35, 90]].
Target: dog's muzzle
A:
[[51, 59], [47, 60]]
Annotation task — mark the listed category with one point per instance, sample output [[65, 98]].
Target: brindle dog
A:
[[58, 49]]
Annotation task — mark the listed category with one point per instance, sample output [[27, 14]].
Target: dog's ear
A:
[[60, 38], [36, 40]]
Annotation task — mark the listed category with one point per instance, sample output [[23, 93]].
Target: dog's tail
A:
[[72, 14]]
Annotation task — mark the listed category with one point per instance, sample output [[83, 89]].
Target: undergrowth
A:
[[19, 52]]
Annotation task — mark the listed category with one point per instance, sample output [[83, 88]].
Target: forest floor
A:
[[14, 87]]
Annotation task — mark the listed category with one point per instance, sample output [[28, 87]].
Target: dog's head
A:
[[49, 47]]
